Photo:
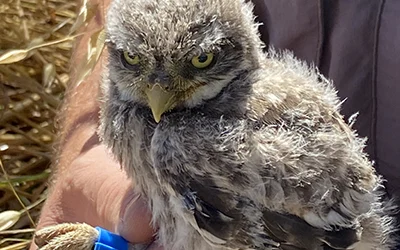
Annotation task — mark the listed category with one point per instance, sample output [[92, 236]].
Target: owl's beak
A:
[[160, 100]]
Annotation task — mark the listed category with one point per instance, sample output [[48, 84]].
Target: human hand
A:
[[96, 191], [88, 186]]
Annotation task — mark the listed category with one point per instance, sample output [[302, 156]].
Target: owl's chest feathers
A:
[[184, 146], [165, 159], [188, 146]]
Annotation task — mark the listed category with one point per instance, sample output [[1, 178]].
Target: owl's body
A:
[[253, 154]]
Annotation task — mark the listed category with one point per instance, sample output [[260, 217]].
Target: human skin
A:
[[88, 185]]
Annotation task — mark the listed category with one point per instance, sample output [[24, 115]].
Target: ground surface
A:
[[31, 91]]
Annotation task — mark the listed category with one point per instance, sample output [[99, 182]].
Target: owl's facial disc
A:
[[163, 83], [194, 49], [159, 98], [164, 94]]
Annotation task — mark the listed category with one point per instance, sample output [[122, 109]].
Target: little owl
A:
[[233, 147]]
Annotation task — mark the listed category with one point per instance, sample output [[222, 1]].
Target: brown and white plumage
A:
[[252, 153], [249, 152]]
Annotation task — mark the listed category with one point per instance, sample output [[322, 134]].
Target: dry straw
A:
[[36, 39]]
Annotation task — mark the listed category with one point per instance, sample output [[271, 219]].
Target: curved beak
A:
[[160, 100]]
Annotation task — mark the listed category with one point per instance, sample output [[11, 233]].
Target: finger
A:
[[116, 206], [135, 219]]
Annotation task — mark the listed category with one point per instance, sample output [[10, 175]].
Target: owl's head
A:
[[179, 53]]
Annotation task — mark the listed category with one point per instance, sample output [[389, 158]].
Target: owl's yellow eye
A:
[[131, 59], [203, 60]]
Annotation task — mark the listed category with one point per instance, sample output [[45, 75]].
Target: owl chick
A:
[[233, 148]]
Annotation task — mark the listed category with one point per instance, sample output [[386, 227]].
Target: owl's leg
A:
[[75, 236], [66, 236]]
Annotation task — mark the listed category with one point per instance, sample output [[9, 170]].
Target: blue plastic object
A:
[[109, 241]]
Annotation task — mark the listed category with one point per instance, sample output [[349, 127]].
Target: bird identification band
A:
[[109, 241]]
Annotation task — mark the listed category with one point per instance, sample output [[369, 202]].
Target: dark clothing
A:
[[356, 43]]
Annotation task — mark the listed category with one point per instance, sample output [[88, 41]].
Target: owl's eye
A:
[[131, 59], [203, 60]]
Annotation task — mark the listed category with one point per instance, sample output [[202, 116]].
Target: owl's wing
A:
[[226, 219], [294, 233], [220, 216]]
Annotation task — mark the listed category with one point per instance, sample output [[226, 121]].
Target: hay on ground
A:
[[31, 91]]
